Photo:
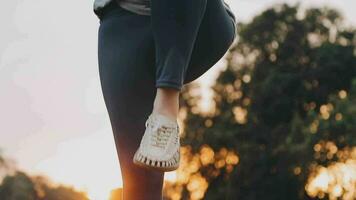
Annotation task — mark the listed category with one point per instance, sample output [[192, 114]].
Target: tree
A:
[[285, 72], [17, 185]]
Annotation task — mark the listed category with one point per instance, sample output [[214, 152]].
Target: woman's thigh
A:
[[126, 62], [127, 75], [215, 36]]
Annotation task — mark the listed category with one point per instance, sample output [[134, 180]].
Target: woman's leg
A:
[[190, 37], [215, 36], [175, 26], [201, 37], [129, 78], [127, 75]]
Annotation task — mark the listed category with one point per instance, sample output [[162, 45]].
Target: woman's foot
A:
[[160, 145]]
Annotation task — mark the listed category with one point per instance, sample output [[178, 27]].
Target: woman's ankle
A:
[[167, 102], [166, 113]]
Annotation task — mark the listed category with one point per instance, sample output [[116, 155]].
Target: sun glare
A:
[[337, 180]]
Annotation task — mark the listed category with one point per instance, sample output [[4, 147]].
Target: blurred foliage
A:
[[17, 185], [116, 194], [284, 106]]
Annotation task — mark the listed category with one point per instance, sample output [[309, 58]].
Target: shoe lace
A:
[[161, 135]]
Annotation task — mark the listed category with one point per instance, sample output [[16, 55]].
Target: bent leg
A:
[[175, 26], [215, 36], [127, 75]]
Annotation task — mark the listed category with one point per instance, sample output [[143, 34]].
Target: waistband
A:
[[113, 5], [110, 6]]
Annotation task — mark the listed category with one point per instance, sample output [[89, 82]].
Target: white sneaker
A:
[[160, 145]]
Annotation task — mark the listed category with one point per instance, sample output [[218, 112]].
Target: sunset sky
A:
[[53, 118]]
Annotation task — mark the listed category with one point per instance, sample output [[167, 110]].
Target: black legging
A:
[[178, 43]]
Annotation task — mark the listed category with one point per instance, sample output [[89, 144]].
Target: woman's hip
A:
[[125, 38]]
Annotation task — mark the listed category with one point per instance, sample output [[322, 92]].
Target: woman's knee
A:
[[215, 37]]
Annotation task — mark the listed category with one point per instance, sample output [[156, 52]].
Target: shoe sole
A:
[[152, 167]]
